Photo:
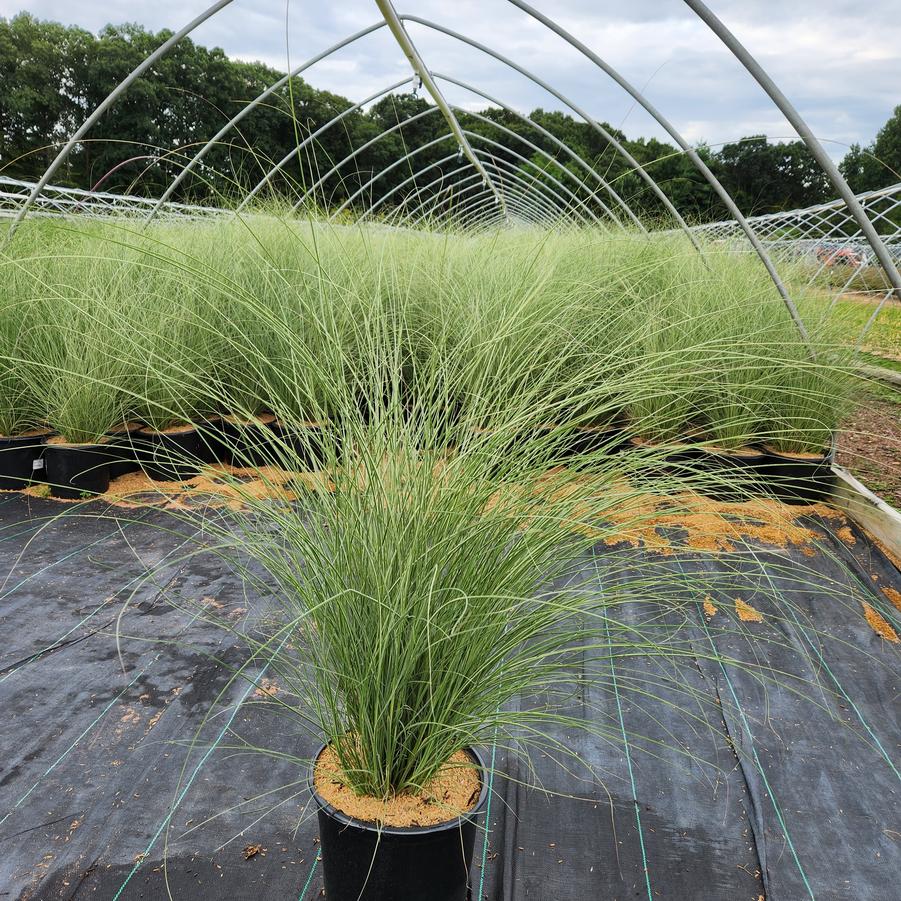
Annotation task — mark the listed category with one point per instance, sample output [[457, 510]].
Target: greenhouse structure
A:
[[433, 511]]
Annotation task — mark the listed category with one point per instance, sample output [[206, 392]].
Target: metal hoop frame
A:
[[506, 190]]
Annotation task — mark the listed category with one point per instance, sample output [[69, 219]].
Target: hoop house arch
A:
[[541, 196], [395, 351]]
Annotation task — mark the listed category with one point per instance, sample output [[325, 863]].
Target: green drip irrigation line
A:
[[487, 816], [30, 528], [71, 747], [57, 643], [306, 885], [6, 500], [622, 726], [854, 707], [757, 762], [167, 819], [86, 730]]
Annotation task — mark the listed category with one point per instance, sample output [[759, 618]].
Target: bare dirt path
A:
[[870, 444]]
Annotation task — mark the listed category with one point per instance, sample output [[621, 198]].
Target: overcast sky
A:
[[841, 67]]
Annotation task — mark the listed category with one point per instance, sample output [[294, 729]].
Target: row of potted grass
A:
[[181, 452], [440, 379], [104, 325], [175, 454]]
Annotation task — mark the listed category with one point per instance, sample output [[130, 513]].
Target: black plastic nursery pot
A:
[[245, 443], [306, 440], [76, 470], [174, 455], [734, 474], [123, 449], [571, 445], [587, 440], [722, 475], [17, 459], [365, 862], [799, 478]]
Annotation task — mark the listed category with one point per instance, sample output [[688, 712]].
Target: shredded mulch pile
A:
[[869, 446], [217, 486], [704, 524]]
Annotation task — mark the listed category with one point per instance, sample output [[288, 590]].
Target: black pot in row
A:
[[365, 861], [20, 460], [75, 471], [176, 455], [724, 475], [733, 476]]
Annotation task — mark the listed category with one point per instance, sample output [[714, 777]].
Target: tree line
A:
[[55, 75]]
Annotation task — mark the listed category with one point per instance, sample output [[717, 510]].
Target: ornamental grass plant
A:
[[68, 355], [418, 590], [429, 573], [19, 405], [238, 316]]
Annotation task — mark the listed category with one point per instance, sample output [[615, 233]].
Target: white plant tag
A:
[[37, 464]]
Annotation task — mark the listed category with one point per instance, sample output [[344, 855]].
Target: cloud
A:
[[841, 69]]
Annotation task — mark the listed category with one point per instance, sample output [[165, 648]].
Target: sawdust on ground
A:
[[893, 595], [890, 555], [879, 625], [660, 523], [746, 613], [715, 526], [216, 486]]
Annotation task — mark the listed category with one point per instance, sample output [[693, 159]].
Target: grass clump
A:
[[19, 405], [240, 317], [430, 574]]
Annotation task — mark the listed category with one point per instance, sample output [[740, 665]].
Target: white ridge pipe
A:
[[312, 137], [324, 178], [252, 106], [692, 154], [384, 197], [386, 7], [592, 122], [557, 143]]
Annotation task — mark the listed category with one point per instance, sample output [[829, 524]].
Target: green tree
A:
[[54, 76], [766, 178], [879, 164], [38, 103]]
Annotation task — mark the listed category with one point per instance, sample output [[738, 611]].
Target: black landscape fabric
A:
[[711, 780]]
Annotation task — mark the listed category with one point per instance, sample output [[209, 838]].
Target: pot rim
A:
[[827, 455], [89, 446], [28, 440], [125, 429], [345, 820], [183, 429]]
